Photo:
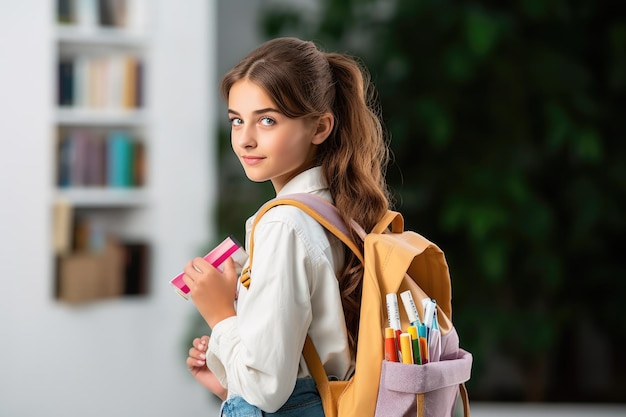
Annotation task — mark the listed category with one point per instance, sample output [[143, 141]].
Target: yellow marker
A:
[[406, 349], [415, 341]]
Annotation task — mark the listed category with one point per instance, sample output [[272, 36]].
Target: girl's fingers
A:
[[201, 343], [197, 357], [198, 349], [189, 269], [194, 363], [196, 353]]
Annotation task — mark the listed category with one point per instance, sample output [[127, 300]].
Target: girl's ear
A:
[[325, 125]]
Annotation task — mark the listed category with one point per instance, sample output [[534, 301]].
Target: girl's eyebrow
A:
[[260, 111]]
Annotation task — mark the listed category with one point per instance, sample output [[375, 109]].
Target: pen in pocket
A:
[[417, 357], [391, 350], [406, 348], [410, 308]]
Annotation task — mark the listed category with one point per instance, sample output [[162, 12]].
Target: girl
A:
[[302, 119]]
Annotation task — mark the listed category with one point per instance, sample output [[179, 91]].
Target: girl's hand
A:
[[212, 291], [196, 363]]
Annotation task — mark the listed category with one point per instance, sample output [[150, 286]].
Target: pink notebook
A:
[[228, 248]]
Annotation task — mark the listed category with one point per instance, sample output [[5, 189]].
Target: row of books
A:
[[92, 159], [126, 14], [110, 81]]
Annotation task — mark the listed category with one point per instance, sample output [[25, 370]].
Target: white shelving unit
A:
[[102, 197], [72, 34], [87, 117], [121, 356], [103, 126]]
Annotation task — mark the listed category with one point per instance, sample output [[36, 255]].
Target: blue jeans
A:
[[304, 401]]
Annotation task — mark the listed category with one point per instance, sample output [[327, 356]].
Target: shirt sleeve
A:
[[261, 348]]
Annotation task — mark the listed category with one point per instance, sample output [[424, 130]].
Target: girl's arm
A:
[[261, 348]]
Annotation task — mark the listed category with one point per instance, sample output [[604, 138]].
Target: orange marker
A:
[[406, 348], [391, 352]]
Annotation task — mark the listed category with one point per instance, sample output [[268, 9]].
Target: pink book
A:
[[228, 248]]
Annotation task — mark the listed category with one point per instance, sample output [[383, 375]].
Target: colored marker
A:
[[423, 342], [417, 357], [406, 349], [435, 321], [391, 352], [429, 313]]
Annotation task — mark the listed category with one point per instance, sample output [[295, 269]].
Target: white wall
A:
[[123, 357]]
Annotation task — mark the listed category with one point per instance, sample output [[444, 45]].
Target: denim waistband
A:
[[304, 401]]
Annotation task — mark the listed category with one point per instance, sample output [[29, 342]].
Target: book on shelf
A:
[[113, 13], [89, 158], [62, 231], [122, 14], [119, 159], [66, 11], [66, 82], [136, 267], [113, 81]]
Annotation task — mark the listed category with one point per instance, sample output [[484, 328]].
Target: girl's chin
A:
[[256, 178]]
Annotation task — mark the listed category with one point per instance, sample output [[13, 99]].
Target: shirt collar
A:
[[310, 181]]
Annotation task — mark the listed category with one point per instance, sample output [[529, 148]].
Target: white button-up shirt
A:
[[293, 291]]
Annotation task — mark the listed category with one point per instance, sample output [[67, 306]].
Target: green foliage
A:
[[510, 154]]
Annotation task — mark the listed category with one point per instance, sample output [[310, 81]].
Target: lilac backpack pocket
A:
[[429, 390]]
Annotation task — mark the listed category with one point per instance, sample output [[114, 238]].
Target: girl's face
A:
[[270, 145]]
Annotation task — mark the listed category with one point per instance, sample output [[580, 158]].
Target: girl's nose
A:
[[245, 138]]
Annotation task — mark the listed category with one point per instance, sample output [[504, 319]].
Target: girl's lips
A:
[[252, 160]]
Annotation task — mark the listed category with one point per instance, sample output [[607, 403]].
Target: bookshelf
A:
[[101, 158], [93, 347]]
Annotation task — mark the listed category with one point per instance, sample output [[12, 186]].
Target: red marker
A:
[[391, 352]]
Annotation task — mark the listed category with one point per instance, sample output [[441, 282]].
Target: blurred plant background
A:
[[510, 154]]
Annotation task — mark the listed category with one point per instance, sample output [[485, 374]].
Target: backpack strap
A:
[[392, 218], [328, 216], [321, 210], [465, 399]]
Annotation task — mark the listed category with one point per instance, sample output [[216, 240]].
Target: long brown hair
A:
[[306, 82]]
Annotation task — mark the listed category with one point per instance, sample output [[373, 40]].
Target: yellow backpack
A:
[[394, 261]]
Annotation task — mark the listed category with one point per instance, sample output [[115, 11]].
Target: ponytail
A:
[[354, 159]]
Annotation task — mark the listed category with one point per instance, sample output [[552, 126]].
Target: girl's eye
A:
[[236, 121], [267, 121]]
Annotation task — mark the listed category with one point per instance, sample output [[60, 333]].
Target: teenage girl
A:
[[304, 120]]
